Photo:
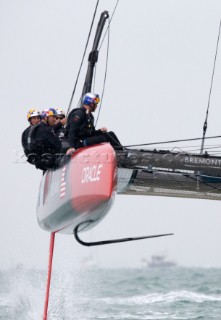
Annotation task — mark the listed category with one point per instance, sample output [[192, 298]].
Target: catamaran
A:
[[77, 194]]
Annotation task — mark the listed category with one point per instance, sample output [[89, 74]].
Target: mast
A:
[[93, 56]]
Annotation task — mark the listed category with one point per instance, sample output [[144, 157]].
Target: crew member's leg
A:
[[103, 137], [112, 138], [90, 141]]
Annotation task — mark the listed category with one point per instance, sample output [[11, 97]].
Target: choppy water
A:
[[166, 293]]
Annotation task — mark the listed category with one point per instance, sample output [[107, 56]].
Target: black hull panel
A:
[[169, 174]]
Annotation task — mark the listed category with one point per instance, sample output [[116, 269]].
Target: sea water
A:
[[93, 293]]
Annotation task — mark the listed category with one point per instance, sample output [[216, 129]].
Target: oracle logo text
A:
[[91, 173]]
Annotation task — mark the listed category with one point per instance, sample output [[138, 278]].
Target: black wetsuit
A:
[[81, 132], [59, 130], [24, 140], [42, 145]]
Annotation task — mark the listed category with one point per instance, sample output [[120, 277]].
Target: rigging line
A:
[[190, 148], [208, 148], [171, 141], [195, 179], [109, 24], [182, 183], [107, 56], [105, 74], [200, 181], [198, 149], [85, 49], [191, 151], [213, 149], [216, 151], [211, 85], [180, 150], [193, 146]]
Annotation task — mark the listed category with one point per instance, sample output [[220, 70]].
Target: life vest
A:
[[30, 138], [40, 152], [87, 127]]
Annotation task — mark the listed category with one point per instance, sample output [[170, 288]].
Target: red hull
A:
[[82, 190]]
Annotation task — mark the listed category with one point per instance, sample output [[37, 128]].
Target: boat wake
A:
[[92, 293]]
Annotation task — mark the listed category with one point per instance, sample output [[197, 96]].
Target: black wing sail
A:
[[93, 56]]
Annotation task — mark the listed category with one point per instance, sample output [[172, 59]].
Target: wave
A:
[[113, 294], [168, 297]]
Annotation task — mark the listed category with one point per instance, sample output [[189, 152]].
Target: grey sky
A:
[[160, 65]]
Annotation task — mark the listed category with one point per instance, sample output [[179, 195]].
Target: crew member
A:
[[59, 129], [43, 144], [80, 128], [34, 117]]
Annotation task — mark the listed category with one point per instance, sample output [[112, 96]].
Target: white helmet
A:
[[60, 112], [33, 113]]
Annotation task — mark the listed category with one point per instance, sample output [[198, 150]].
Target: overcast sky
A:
[[160, 65]]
